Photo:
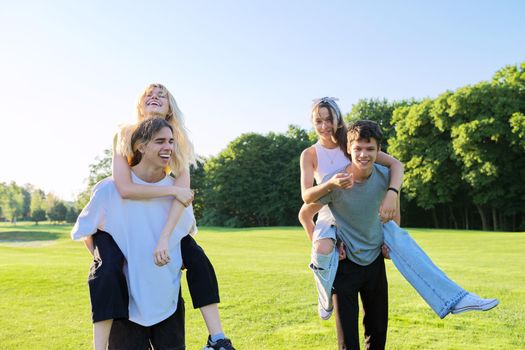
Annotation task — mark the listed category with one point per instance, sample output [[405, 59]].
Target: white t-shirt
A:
[[135, 225]]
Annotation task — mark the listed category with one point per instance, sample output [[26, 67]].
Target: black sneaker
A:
[[221, 344]]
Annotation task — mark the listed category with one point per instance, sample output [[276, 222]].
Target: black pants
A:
[[369, 282], [200, 275], [165, 335], [108, 287]]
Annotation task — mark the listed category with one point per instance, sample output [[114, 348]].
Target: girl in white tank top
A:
[[329, 160]]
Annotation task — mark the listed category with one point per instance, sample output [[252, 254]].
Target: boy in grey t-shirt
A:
[[356, 211]]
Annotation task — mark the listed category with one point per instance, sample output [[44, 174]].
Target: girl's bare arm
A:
[[389, 205], [130, 190], [161, 253]]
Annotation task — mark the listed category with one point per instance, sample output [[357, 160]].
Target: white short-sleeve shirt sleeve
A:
[[93, 215]]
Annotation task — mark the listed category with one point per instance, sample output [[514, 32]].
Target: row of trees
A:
[[253, 182], [463, 152], [463, 156], [30, 203]]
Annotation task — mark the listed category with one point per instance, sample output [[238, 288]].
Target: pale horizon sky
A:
[[71, 71]]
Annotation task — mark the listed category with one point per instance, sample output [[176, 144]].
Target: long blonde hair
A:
[[183, 154]]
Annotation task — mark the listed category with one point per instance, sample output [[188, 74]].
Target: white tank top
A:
[[328, 161]]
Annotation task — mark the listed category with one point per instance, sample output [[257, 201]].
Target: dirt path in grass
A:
[[27, 244]]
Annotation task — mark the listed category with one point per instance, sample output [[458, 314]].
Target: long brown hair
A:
[[339, 128]]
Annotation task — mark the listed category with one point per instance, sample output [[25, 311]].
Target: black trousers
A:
[[200, 275], [165, 335], [107, 283], [371, 284], [108, 289]]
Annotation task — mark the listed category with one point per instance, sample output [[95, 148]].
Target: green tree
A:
[[198, 183], [71, 215], [50, 201], [487, 120], [425, 150], [517, 137], [99, 170], [512, 76], [465, 147], [57, 212], [380, 111], [11, 201], [253, 182], [38, 201], [38, 215], [26, 201]]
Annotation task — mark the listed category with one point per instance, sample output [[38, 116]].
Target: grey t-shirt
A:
[[356, 213]]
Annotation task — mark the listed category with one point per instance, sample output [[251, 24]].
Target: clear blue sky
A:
[[70, 71]]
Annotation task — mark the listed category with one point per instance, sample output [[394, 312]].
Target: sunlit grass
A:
[[268, 294]]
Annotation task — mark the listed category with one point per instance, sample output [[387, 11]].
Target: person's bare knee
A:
[[324, 246]]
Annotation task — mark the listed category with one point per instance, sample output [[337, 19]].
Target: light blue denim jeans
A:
[[324, 266], [439, 291]]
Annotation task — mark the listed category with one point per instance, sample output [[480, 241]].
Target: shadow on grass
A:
[[27, 236]]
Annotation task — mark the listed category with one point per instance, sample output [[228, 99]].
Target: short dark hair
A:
[[143, 134], [364, 130]]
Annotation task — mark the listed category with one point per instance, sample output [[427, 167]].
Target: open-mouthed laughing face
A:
[[157, 152], [155, 103]]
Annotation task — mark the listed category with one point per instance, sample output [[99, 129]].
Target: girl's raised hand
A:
[[342, 180]]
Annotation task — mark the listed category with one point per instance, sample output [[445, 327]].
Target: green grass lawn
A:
[[268, 294]]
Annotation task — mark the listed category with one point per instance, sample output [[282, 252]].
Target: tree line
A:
[[463, 156], [32, 204], [463, 153]]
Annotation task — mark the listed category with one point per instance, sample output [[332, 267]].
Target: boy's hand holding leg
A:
[[342, 251], [385, 251]]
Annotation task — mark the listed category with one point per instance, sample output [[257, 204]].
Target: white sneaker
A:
[[472, 302], [323, 313]]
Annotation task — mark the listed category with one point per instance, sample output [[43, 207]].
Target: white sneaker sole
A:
[[323, 313], [484, 307]]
